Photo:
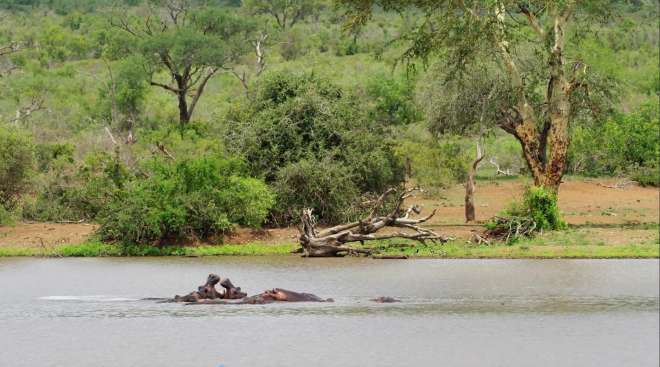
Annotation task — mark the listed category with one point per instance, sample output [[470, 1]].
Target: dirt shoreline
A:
[[583, 202]]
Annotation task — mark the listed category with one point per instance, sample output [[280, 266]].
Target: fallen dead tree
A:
[[333, 241]]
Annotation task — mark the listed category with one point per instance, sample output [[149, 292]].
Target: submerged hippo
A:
[[385, 300]]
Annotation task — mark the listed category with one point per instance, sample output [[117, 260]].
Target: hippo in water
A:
[[385, 300], [208, 291], [207, 294]]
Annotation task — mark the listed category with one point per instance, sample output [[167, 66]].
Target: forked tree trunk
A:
[[470, 187], [331, 242], [544, 150]]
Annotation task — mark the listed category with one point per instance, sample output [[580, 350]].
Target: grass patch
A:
[[99, 249], [572, 243], [557, 244]]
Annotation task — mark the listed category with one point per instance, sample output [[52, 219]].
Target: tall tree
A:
[[188, 43], [285, 12], [518, 52]]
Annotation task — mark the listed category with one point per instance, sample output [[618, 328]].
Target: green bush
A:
[[16, 166], [295, 119], [70, 191], [5, 216], [648, 174], [187, 199], [325, 186], [540, 205], [621, 145], [393, 99], [538, 211]]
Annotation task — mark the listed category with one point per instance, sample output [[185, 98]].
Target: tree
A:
[[522, 77], [285, 12], [188, 43], [124, 94]]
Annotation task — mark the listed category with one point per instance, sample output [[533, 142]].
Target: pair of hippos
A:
[[208, 294]]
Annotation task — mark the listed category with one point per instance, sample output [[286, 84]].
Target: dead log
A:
[[332, 241], [470, 187]]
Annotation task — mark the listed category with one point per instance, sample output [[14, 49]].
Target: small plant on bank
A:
[[537, 212]]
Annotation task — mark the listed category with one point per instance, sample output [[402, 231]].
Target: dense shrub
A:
[[540, 204], [186, 199], [648, 174], [16, 166], [393, 99], [70, 191], [325, 186], [5, 216], [294, 118], [623, 144]]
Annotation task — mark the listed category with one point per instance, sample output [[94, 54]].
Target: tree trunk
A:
[[184, 116], [470, 187]]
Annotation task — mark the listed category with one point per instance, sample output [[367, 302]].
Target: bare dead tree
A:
[[470, 186], [331, 241], [493, 161], [260, 63]]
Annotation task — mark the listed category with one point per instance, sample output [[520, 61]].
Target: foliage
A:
[[190, 45], [648, 174], [286, 13], [186, 199], [622, 144], [538, 211], [302, 118], [325, 186], [393, 100], [5, 216], [123, 96], [72, 192], [16, 166]]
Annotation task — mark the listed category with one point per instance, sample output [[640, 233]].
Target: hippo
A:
[[385, 300], [207, 294]]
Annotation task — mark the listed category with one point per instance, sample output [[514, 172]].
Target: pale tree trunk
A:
[[470, 187]]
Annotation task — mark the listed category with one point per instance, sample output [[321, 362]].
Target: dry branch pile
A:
[[510, 228], [332, 241]]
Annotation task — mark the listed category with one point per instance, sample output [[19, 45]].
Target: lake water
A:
[[87, 312]]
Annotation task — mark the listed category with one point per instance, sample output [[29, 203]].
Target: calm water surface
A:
[[88, 312]]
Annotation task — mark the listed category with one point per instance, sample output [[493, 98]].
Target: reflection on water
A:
[[93, 309]]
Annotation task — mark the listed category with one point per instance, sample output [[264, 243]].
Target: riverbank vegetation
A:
[[177, 122], [575, 243]]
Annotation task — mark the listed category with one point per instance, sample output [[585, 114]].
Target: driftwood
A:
[[331, 242]]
